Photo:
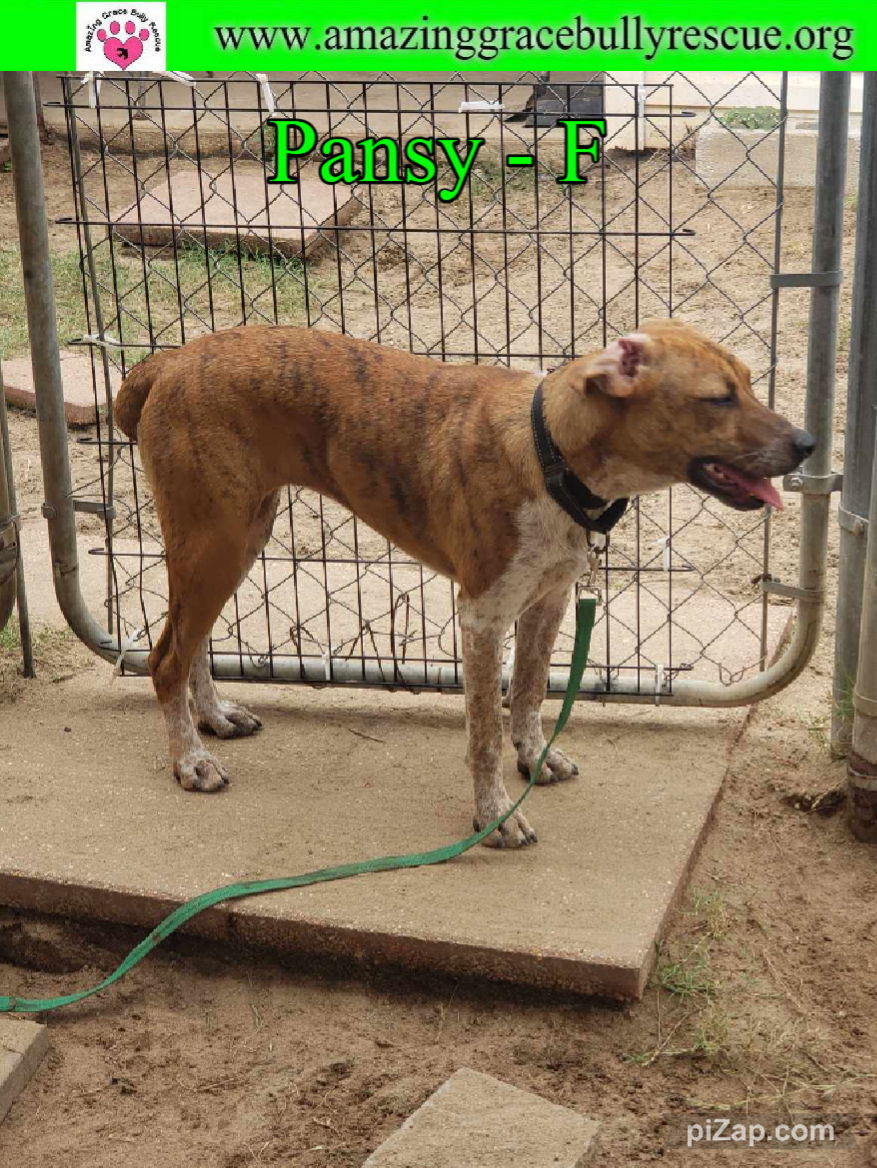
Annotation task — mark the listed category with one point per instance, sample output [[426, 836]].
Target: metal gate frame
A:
[[815, 481], [11, 566]]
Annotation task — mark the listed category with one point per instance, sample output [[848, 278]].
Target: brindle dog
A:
[[440, 459]]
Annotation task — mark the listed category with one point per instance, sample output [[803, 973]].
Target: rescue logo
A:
[[122, 36]]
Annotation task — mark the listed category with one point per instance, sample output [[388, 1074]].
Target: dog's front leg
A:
[[482, 668], [537, 632]]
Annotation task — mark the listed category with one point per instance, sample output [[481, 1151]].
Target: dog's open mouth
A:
[[732, 486]]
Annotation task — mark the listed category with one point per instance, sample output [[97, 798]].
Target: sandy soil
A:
[[763, 996]]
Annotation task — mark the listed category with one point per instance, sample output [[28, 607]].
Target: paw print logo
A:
[[122, 36], [123, 53]]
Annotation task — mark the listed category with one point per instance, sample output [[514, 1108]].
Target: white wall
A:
[[700, 91]]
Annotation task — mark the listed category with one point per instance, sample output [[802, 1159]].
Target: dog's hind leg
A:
[[214, 714], [537, 632], [203, 571], [169, 664], [482, 635]]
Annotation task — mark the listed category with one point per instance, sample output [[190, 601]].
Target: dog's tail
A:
[[133, 393]]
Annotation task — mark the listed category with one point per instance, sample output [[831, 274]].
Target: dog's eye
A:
[[728, 399]]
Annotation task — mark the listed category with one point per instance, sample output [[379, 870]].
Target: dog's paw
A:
[[200, 771], [228, 720], [557, 768], [516, 832]]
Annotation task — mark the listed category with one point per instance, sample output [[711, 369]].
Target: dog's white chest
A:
[[552, 553]]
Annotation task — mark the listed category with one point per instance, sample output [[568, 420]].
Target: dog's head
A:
[[672, 406]]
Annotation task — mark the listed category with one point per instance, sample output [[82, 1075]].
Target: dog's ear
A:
[[616, 370]]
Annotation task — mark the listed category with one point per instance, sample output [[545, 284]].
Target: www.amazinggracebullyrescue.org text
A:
[[487, 42]]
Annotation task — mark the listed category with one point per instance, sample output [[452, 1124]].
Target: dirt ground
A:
[[763, 998]]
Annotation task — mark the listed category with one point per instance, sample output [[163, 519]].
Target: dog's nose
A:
[[803, 443]]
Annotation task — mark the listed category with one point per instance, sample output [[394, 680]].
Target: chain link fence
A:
[[178, 234]]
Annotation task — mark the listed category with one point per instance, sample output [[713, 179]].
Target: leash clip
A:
[[590, 582]]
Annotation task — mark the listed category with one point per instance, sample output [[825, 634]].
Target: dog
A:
[[495, 477]]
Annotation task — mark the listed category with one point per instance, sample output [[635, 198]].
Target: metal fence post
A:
[[862, 758], [860, 430], [9, 504], [9, 543], [30, 204], [828, 215]]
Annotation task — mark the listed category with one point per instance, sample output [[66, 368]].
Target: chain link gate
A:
[[178, 234]]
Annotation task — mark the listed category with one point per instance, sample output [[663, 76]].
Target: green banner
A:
[[437, 35]]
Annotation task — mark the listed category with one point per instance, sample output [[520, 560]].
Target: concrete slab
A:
[[22, 1046], [238, 207], [76, 375], [476, 1121], [93, 826]]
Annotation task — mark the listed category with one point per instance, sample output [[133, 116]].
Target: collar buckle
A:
[[554, 472]]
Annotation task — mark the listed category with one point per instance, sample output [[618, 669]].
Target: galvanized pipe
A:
[[860, 430], [97, 309], [30, 205], [389, 674], [862, 758], [828, 215]]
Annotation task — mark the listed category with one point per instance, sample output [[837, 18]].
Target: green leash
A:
[[586, 610]]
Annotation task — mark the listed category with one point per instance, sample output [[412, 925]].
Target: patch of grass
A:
[[55, 653], [818, 729], [490, 176], [749, 1024], [709, 906], [9, 638], [776, 1065], [45, 639], [71, 316], [756, 117], [203, 286], [202, 289], [13, 319], [712, 1033], [181, 296], [690, 976], [844, 704]]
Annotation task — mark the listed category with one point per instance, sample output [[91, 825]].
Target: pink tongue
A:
[[761, 488]]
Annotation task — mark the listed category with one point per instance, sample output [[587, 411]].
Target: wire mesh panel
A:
[[179, 234]]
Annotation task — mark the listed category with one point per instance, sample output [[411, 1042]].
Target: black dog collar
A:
[[565, 488]]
